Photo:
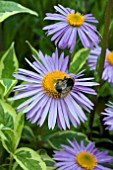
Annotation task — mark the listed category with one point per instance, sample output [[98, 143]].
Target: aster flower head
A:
[[70, 24], [108, 119], [81, 157], [52, 91], [108, 65]]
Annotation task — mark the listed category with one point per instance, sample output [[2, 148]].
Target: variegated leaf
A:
[[8, 8]]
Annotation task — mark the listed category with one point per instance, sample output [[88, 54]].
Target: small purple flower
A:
[[108, 119], [70, 24], [51, 91], [81, 157], [108, 65]]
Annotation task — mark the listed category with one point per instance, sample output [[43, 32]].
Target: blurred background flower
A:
[[108, 65], [79, 156], [70, 25], [108, 116]]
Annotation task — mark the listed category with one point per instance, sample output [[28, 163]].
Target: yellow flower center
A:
[[86, 160], [49, 81], [76, 19], [109, 57]]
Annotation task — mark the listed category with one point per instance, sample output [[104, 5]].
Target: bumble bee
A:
[[64, 86]]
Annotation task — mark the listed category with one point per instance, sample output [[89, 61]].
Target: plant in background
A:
[[107, 74], [108, 116], [71, 23], [81, 157]]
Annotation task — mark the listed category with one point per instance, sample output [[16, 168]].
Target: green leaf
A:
[[7, 137], [103, 140], [47, 159], [1, 168], [58, 138], [8, 84], [9, 119], [2, 154], [106, 90], [2, 89], [16, 167], [18, 127], [33, 50], [8, 8], [28, 159], [27, 134], [79, 60], [7, 115], [9, 63]]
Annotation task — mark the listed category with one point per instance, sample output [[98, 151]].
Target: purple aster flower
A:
[[108, 119], [52, 91], [108, 65], [81, 157], [70, 24]]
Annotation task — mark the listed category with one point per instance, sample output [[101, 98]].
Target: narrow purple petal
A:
[[51, 113], [85, 40], [64, 9], [21, 106], [65, 113], [55, 17], [26, 94], [60, 10], [45, 111], [61, 116], [39, 96], [61, 60], [71, 108]]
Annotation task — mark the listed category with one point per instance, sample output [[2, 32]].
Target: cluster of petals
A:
[[67, 157], [39, 104], [108, 116], [65, 35], [107, 74]]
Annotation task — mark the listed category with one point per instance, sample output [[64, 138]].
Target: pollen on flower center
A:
[[49, 81], [86, 160], [109, 58], [76, 19]]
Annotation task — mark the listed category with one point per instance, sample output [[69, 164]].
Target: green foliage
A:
[[28, 134], [16, 167], [58, 138], [18, 127], [79, 60], [105, 90], [47, 159], [28, 159], [7, 85], [9, 8], [1, 168], [11, 126], [7, 115], [7, 138], [2, 89], [9, 63], [33, 50]]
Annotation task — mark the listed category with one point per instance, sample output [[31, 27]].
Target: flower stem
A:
[[105, 38], [11, 162], [107, 17]]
